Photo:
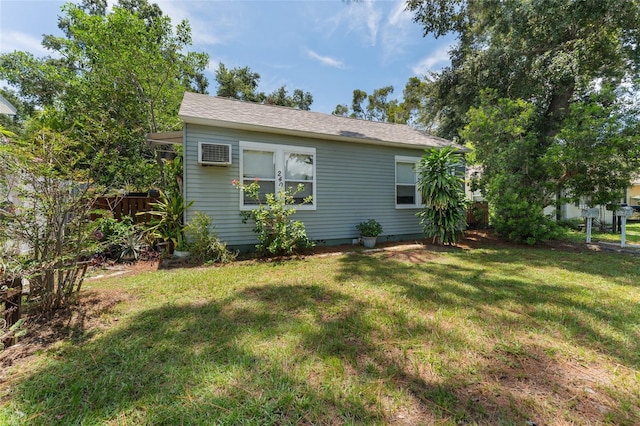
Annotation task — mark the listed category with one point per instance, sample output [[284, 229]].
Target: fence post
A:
[[12, 307]]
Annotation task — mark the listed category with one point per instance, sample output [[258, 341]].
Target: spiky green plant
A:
[[441, 183]]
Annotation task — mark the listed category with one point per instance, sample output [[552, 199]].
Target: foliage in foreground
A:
[[48, 231], [441, 183], [487, 336], [167, 220]]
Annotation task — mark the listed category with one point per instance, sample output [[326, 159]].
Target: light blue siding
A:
[[354, 182]]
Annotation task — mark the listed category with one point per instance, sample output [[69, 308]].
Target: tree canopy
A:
[[242, 83], [113, 77], [540, 87]]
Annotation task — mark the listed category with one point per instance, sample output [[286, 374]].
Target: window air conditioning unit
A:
[[214, 154]]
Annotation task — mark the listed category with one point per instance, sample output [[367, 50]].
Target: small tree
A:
[[441, 183], [277, 234], [48, 230]]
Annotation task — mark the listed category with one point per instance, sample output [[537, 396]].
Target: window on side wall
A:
[[407, 194], [278, 167]]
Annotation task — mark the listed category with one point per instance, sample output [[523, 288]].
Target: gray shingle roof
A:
[[6, 107], [232, 113]]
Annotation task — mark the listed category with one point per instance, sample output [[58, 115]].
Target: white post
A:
[[624, 213], [590, 214]]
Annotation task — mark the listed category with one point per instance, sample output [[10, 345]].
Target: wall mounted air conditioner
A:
[[214, 154]]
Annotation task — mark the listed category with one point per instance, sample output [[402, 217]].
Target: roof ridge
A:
[[226, 98], [234, 113]]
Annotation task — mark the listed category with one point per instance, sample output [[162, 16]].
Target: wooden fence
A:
[[126, 205], [10, 309], [478, 214]]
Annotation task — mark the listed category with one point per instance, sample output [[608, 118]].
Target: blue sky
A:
[[326, 47]]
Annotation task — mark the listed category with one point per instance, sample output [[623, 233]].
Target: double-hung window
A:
[[407, 194], [276, 168]]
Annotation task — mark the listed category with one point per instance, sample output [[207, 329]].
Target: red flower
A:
[[257, 179], [234, 182]]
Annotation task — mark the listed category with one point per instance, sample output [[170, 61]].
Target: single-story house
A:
[[354, 169]]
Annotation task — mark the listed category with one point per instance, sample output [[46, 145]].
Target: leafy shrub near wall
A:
[[277, 234], [204, 244]]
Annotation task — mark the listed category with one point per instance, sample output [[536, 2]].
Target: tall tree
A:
[[114, 77], [549, 54], [242, 83], [378, 107]]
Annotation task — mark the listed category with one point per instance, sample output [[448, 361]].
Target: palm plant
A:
[[441, 183], [167, 224]]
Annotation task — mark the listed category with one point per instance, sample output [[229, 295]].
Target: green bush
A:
[[369, 228], [204, 244], [441, 183], [119, 239], [166, 224], [112, 231], [277, 234], [575, 223], [516, 216]]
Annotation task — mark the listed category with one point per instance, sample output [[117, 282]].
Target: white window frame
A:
[[280, 152], [418, 197]]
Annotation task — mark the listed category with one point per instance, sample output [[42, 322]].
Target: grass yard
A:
[[633, 235], [494, 335]]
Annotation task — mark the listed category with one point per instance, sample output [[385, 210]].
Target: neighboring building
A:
[[633, 193], [354, 169], [473, 173], [567, 210], [6, 107]]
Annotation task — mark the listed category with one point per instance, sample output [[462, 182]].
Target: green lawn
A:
[[632, 235], [486, 336]]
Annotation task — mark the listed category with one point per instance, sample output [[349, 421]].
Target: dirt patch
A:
[[543, 386], [78, 322]]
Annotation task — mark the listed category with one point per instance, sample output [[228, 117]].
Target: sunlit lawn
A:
[[488, 336], [632, 235]]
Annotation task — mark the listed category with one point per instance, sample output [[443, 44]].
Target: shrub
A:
[[277, 234], [50, 176], [441, 183], [167, 220], [369, 228], [516, 216], [575, 223], [205, 246]]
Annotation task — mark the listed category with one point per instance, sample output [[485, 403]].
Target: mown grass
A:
[[632, 235], [486, 336]]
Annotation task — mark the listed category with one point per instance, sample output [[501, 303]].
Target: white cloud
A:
[[213, 65], [396, 32], [15, 40], [399, 15], [202, 31], [437, 60], [326, 60], [359, 17]]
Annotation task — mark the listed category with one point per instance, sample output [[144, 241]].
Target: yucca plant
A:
[[441, 183], [167, 223]]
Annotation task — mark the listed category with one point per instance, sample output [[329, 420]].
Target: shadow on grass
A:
[[492, 283], [274, 354], [287, 353]]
